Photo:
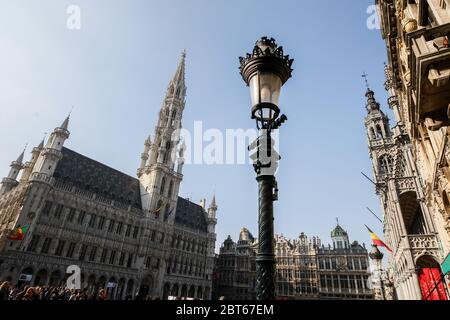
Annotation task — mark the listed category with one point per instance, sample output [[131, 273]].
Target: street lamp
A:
[[265, 71]]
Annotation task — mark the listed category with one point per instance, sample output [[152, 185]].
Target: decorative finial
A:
[[365, 76], [337, 220]]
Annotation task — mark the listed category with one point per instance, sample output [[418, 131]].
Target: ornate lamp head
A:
[[265, 71]]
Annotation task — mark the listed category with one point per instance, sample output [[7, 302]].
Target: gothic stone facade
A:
[[417, 36], [235, 269], [130, 235], [305, 268]]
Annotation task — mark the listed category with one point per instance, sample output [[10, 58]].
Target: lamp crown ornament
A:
[[265, 50], [265, 71]]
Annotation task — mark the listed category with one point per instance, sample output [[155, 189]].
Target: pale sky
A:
[[116, 68]]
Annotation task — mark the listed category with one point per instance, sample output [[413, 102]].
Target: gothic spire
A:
[[177, 84], [20, 158], [213, 202], [179, 74], [65, 124], [41, 145]]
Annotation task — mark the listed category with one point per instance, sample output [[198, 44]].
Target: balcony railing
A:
[[42, 177], [423, 242]]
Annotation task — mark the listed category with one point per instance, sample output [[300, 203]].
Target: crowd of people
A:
[[26, 292]]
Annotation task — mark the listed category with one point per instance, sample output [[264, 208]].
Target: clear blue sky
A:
[[115, 71]]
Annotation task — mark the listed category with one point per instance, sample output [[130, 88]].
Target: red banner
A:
[[429, 279]]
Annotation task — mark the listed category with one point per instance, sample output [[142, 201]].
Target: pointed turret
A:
[[145, 155], [28, 169], [212, 215], [20, 158], [9, 182], [41, 145], [65, 124], [213, 202], [51, 154]]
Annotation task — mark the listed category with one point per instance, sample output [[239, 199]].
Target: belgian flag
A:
[[377, 241], [18, 234]]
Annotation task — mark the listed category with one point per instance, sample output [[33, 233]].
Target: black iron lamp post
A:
[[265, 71], [377, 256]]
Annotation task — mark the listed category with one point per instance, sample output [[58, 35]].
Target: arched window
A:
[[174, 115], [167, 113], [379, 132], [382, 165], [386, 164], [169, 194], [372, 133], [168, 152], [390, 164], [163, 185]]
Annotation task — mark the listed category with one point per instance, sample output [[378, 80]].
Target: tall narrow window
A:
[[33, 243], [112, 257], [119, 228], [103, 257], [111, 226], [174, 116], [83, 252], [46, 245], [379, 132], [122, 259], [58, 211], [128, 231], [71, 215], [93, 254], [101, 223], [81, 217], [163, 186], [60, 248], [135, 232], [92, 220], [47, 208], [169, 193], [71, 250]]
